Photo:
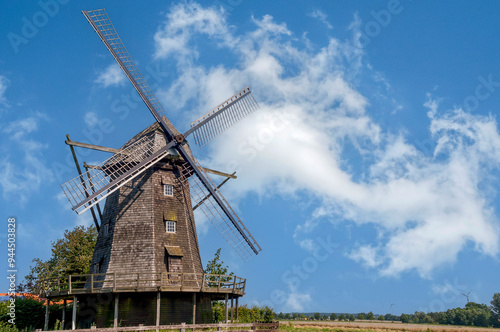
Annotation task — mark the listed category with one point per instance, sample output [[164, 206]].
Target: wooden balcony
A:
[[142, 282]]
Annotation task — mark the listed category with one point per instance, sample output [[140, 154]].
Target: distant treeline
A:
[[474, 314]]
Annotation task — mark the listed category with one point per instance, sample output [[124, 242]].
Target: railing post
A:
[[234, 283], [203, 282], [69, 284], [218, 284], [183, 327]]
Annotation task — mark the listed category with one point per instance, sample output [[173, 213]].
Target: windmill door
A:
[[174, 265]]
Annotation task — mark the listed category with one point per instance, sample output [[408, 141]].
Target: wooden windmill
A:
[[147, 249]]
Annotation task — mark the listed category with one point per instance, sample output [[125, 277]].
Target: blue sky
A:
[[369, 176]]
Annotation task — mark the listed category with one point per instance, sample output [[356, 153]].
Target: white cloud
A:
[[322, 17], [111, 76], [366, 255], [426, 206], [4, 84], [22, 168], [297, 302], [184, 20], [91, 119]]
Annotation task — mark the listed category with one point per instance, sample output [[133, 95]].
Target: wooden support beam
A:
[[226, 307], [209, 170], [194, 308], [115, 316], [73, 317], [83, 182], [91, 146], [93, 189], [206, 197], [237, 310], [46, 323]]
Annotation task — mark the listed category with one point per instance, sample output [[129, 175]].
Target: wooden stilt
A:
[[232, 317], [46, 324], [115, 317], [226, 309], [73, 317], [158, 305], [63, 319], [237, 310], [194, 308]]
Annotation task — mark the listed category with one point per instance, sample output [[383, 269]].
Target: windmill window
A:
[[168, 190], [170, 226]]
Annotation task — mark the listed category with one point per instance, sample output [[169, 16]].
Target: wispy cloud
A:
[[22, 167], [322, 17], [91, 119], [111, 76], [427, 205]]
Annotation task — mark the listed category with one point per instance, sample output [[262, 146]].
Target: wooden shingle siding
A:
[[136, 215]]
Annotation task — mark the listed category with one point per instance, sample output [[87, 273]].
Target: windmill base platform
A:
[[135, 300]]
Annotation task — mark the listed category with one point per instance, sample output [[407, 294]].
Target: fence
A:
[[143, 282], [236, 327]]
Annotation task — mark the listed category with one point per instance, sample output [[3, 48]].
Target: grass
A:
[[376, 327]]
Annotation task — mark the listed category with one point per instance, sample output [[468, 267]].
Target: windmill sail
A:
[[223, 117], [240, 238], [97, 183], [231, 111], [102, 25]]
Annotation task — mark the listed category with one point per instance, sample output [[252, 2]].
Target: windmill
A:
[[147, 249], [466, 296]]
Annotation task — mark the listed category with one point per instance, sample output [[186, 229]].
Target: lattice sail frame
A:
[[113, 173], [83, 193], [210, 210], [223, 117], [106, 31]]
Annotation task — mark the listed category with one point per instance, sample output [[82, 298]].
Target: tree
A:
[[317, 316], [370, 316], [216, 266], [381, 317], [405, 318], [333, 316], [361, 316], [351, 318], [342, 317], [70, 255], [495, 309]]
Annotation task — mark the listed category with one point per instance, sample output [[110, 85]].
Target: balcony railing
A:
[[142, 282]]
